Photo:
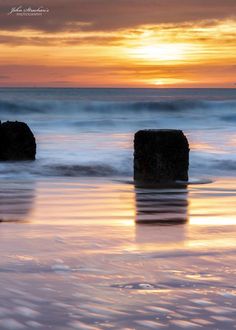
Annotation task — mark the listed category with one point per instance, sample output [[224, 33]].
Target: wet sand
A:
[[75, 255]]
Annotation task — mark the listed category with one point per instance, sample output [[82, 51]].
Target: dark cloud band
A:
[[105, 15]]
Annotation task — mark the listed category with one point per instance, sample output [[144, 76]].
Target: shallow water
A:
[[76, 251], [75, 256]]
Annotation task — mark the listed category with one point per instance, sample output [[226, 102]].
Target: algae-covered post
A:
[[160, 155], [17, 141]]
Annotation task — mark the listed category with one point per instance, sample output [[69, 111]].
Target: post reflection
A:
[[16, 200], [162, 205]]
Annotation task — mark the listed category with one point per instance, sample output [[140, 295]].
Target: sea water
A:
[[84, 132], [73, 253]]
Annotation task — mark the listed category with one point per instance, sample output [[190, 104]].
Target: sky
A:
[[118, 43]]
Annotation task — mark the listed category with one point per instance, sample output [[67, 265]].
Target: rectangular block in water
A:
[[160, 155]]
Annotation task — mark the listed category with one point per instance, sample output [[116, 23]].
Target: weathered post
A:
[[160, 156], [17, 141]]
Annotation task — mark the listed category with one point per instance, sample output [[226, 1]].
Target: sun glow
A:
[[161, 52], [183, 55], [166, 81]]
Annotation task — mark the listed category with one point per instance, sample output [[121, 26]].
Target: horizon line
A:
[[92, 87]]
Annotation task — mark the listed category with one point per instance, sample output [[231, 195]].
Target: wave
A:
[[229, 118], [16, 107], [225, 164], [76, 107], [175, 105], [29, 168], [93, 170], [224, 167]]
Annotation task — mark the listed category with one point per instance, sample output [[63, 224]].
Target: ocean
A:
[[73, 253], [89, 132]]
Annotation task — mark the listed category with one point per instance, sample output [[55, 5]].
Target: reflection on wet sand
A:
[[160, 238], [82, 258], [161, 205], [16, 200]]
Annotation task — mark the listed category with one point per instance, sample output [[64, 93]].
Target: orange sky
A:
[[97, 43]]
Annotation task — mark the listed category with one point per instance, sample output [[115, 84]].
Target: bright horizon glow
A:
[[160, 52], [199, 54]]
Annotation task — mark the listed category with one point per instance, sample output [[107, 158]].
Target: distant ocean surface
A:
[[89, 132]]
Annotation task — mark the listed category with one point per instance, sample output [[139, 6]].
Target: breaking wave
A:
[[73, 107], [29, 168], [80, 170], [90, 132]]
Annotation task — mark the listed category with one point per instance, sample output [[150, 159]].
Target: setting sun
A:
[[161, 52]]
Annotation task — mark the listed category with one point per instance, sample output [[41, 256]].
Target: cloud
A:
[[42, 39], [204, 32], [107, 15], [80, 75], [4, 77], [60, 82]]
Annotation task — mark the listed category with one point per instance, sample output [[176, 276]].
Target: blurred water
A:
[[82, 248], [78, 257], [84, 132]]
